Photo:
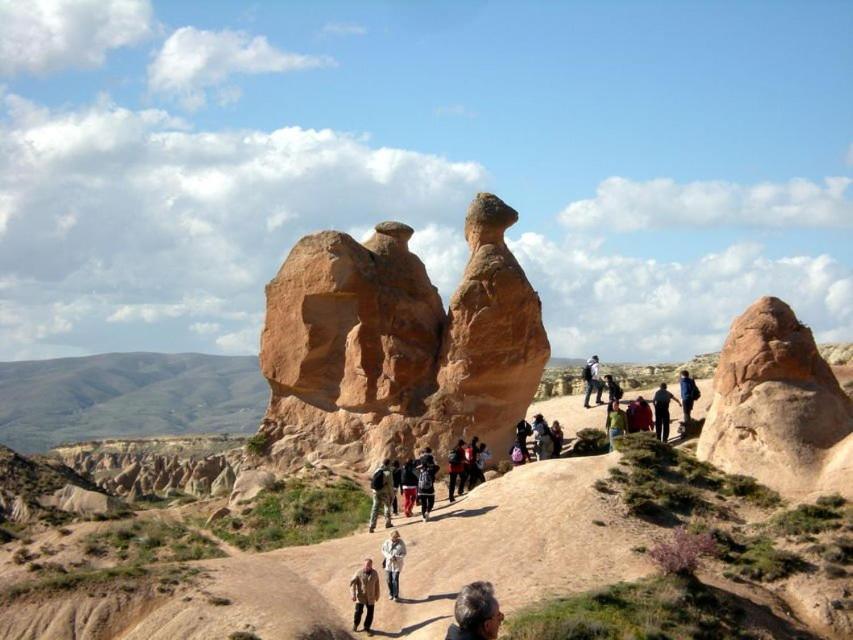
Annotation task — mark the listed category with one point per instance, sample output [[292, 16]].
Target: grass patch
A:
[[151, 541], [590, 442], [659, 608], [297, 512], [257, 445], [808, 519], [756, 558]]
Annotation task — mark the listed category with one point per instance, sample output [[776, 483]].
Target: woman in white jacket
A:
[[394, 550]]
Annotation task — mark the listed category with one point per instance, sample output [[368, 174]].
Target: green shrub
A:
[[833, 501], [806, 519], [257, 444]]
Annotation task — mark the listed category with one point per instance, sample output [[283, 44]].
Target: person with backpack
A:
[[427, 469], [471, 461], [364, 589], [544, 445], [522, 430], [393, 550], [456, 468], [661, 401], [382, 484], [397, 481], [558, 438], [518, 453], [483, 456], [410, 487], [640, 416], [614, 392], [617, 425], [590, 376], [689, 394]]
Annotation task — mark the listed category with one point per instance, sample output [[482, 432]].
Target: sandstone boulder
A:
[[74, 499], [778, 413], [250, 483]]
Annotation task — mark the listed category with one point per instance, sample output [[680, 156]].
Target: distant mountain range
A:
[[48, 402]]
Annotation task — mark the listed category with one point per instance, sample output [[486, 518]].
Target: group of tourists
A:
[[477, 611], [415, 480], [639, 416], [547, 441]]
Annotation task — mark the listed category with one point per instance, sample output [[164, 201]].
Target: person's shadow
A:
[[464, 513], [429, 598], [402, 633]]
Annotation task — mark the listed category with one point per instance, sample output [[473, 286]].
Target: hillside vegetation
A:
[[45, 403]]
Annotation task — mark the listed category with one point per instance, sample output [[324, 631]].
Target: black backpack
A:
[[378, 479], [695, 394], [425, 481], [617, 391], [522, 430], [454, 456], [586, 373]]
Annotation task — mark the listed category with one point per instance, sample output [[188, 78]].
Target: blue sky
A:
[[721, 121]]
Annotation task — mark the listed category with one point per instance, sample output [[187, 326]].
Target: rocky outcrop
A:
[[137, 469], [80, 501], [363, 361], [778, 412]]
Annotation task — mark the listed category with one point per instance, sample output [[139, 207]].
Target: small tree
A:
[[683, 554]]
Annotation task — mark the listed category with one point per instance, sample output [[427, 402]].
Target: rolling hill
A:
[[44, 403]]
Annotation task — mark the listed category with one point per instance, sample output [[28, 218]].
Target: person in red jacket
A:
[[640, 416], [456, 467]]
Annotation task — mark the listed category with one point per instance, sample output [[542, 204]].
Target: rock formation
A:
[[778, 412], [363, 361]]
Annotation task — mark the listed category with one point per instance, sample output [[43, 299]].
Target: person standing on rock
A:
[[456, 468], [397, 478], [364, 589], [410, 487], [661, 400], [558, 437], [477, 612], [382, 484], [689, 394], [471, 461], [393, 550], [426, 483], [544, 445], [617, 424], [640, 416], [482, 456], [593, 381], [522, 431]]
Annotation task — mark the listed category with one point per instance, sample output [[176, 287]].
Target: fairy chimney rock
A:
[[778, 412]]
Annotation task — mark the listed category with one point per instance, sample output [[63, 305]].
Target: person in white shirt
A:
[[593, 381], [394, 550]]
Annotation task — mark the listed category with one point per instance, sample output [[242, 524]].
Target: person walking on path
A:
[[689, 394], [456, 468], [382, 484], [483, 455], [364, 589], [617, 424], [397, 478], [543, 446], [477, 612], [558, 437], [522, 431], [471, 461], [593, 381], [640, 416], [661, 400], [393, 550], [426, 483], [410, 487]]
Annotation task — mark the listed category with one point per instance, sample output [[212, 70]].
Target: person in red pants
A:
[[410, 487]]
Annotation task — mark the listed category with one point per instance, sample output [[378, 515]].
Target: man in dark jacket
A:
[[477, 612]]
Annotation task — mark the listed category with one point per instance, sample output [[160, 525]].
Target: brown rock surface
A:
[[778, 412], [363, 361]]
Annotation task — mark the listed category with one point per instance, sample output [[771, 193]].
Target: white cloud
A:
[[160, 225], [205, 328], [644, 310], [343, 29], [193, 60], [621, 204], [41, 36]]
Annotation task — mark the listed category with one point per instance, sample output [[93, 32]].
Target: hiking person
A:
[[478, 472], [471, 461], [382, 484], [393, 550], [689, 394], [410, 487], [614, 392], [543, 445], [518, 453], [558, 438], [590, 376], [617, 424], [661, 400], [397, 481], [456, 468], [640, 416], [477, 612], [522, 431], [427, 469], [364, 588]]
